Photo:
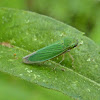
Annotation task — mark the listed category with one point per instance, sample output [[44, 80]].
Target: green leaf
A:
[[23, 32], [18, 89]]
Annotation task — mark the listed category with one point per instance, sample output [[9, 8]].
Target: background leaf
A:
[[28, 32], [15, 88]]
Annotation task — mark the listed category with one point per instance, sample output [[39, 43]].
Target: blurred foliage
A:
[[19, 4], [18, 89], [82, 14]]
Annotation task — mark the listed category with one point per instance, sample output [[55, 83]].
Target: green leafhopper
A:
[[51, 51]]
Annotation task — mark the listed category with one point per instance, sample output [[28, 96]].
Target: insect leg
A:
[[63, 57], [72, 59]]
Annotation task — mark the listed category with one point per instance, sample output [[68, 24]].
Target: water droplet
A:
[[88, 59]]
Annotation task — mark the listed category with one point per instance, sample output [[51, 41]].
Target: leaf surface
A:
[[22, 33]]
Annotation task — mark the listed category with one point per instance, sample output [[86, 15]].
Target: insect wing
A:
[[46, 53]]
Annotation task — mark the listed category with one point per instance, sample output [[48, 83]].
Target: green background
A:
[[81, 14]]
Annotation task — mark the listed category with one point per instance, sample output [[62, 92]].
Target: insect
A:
[[60, 47]]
